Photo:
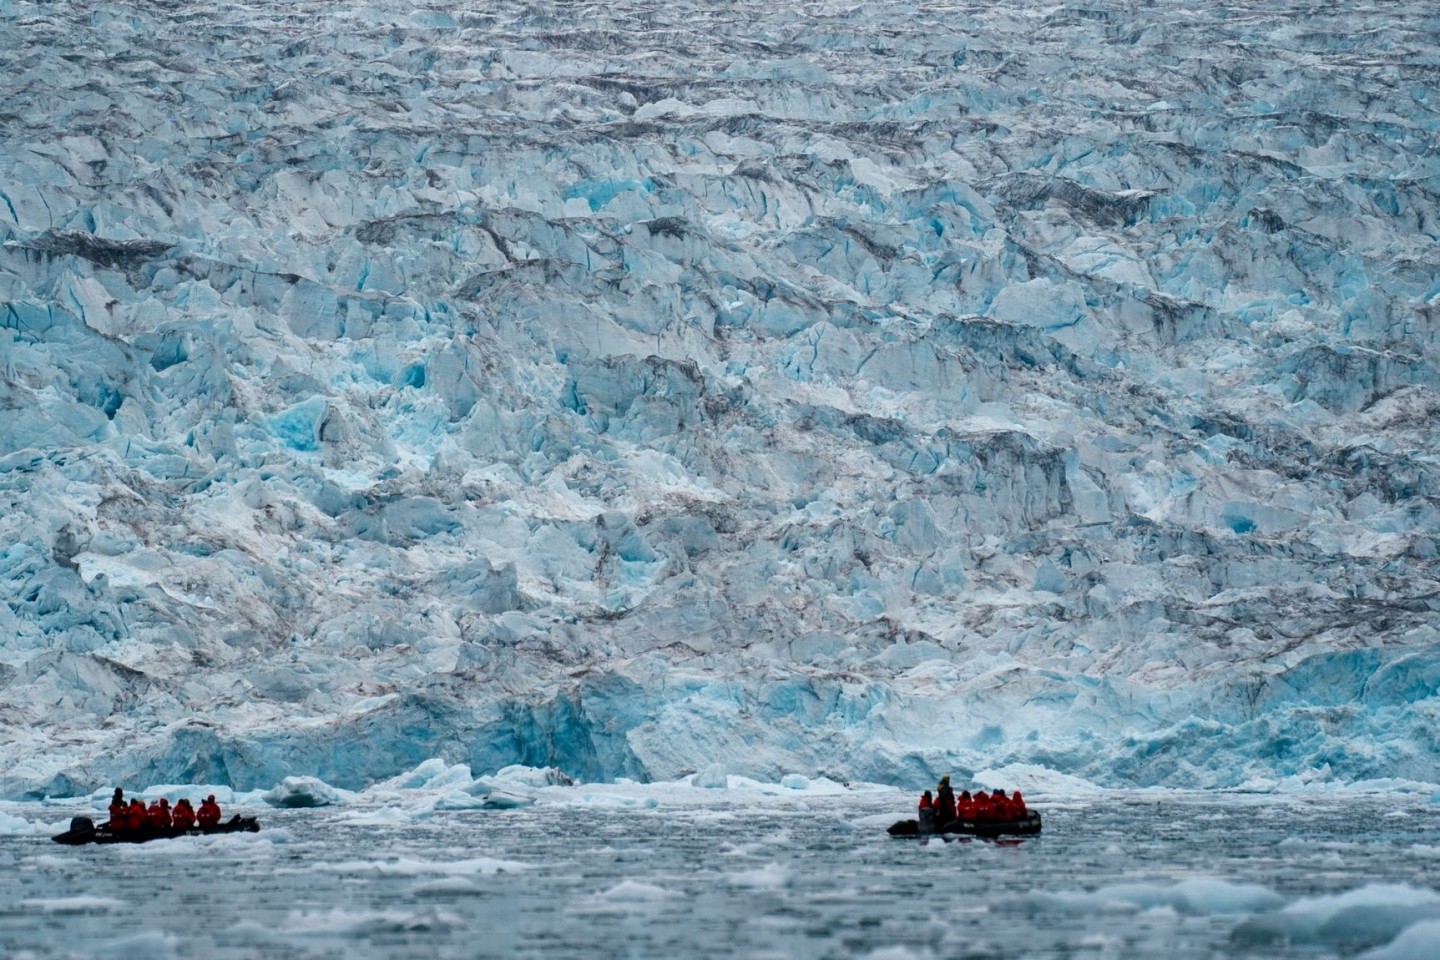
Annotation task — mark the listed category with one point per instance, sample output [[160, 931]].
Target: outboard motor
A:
[[81, 825]]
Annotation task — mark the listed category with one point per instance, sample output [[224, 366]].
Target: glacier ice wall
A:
[[863, 389]]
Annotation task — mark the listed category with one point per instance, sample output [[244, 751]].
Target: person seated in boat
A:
[[925, 813], [208, 815], [965, 806], [984, 809], [1001, 803], [159, 814], [183, 816], [944, 802], [119, 811], [138, 817], [1018, 810], [944, 810]]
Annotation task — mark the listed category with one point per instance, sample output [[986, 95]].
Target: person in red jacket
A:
[[158, 815], [925, 818], [119, 811], [1018, 809], [1001, 804], [209, 813], [183, 817], [965, 806], [137, 818], [984, 810]]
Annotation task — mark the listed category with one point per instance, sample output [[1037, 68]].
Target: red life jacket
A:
[[965, 808], [926, 804], [137, 817], [184, 816], [158, 816], [119, 814], [1017, 806], [984, 810]]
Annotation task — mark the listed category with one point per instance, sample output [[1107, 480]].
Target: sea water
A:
[[1113, 876]]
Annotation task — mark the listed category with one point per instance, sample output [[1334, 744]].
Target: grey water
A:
[[1179, 876]]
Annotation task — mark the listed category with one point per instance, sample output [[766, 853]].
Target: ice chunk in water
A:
[[302, 792], [1420, 941]]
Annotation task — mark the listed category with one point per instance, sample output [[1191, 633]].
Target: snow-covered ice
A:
[[729, 390], [302, 792]]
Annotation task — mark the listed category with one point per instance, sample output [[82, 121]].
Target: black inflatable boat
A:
[[1026, 826], [83, 830]]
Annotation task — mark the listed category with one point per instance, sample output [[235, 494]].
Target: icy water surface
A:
[[1132, 876]]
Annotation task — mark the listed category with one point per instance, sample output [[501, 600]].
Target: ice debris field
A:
[[861, 391], [723, 865]]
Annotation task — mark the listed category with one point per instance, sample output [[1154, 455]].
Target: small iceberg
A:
[[535, 776], [713, 777], [302, 792], [491, 797], [501, 800]]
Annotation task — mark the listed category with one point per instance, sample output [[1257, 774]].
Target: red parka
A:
[[184, 815], [209, 813]]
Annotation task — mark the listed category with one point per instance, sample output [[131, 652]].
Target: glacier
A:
[[855, 390]]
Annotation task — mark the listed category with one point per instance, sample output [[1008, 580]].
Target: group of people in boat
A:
[[980, 807], [160, 815]]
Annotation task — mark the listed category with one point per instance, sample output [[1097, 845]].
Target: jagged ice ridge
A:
[[864, 389]]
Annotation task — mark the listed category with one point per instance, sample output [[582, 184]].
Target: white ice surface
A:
[[949, 389], [1421, 941]]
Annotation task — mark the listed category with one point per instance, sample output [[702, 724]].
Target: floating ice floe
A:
[[769, 877], [1196, 896], [627, 895], [74, 904], [411, 867], [145, 945], [369, 922], [1372, 914], [1419, 941], [300, 792], [533, 776], [505, 800], [11, 824]]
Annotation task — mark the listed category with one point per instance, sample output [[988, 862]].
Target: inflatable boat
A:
[[1026, 826], [83, 830]]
